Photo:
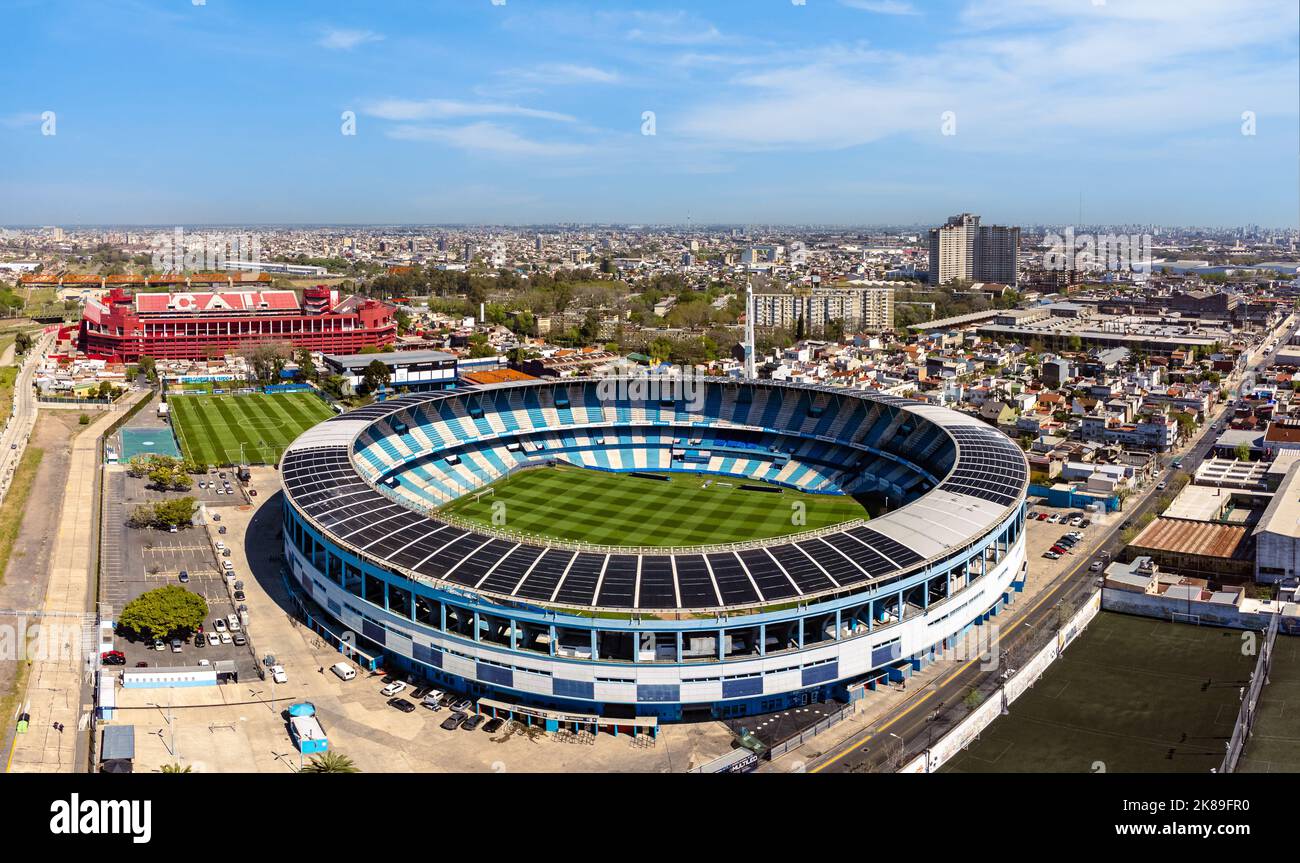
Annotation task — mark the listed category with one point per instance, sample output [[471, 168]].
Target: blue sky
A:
[[765, 111]]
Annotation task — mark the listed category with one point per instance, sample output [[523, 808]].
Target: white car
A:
[[227, 565], [393, 688], [278, 675], [219, 624], [225, 638], [214, 638]]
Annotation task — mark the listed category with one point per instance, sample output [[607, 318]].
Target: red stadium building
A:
[[195, 326]]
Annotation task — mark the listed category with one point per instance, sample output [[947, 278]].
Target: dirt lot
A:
[[23, 585]]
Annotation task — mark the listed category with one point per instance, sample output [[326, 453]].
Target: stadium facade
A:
[[673, 633], [204, 325]]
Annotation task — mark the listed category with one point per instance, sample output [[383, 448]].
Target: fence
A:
[[966, 731], [1246, 715], [807, 734]]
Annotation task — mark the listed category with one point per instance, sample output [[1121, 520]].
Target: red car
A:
[[1042, 516], [113, 657]]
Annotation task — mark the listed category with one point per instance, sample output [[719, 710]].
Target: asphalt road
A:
[[929, 715]]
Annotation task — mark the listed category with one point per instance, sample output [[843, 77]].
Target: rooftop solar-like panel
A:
[[804, 572], [872, 561], [579, 585], [831, 561], [694, 582], [618, 587], [656, 588], [439, 564], [546, 574], [733, 583], [480, 562], [505, 577], [891, 548], [767, 575]]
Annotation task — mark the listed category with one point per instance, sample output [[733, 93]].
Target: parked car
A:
[[225, 638], [1053, 518], [200, 640], [1084, 523], [1162, 486], [433, 701], [419, 692], [451, 723], [239, 639], [214, 638], [184, 577], [1096, 566], [219, 625], [142, 665], [393, 688], [252, 492], [278, 675], [158, 644], [176, 645], [401, 704], [1051, 555], [1042, 516], [113, 657], [464, 705], [493, 725], [239, 596], [473, 722]]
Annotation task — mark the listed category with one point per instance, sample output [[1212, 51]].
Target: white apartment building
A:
[[966, 250], [859, 307]]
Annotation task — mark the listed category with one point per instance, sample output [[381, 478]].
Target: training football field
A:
[[211, 428], [620, 509]]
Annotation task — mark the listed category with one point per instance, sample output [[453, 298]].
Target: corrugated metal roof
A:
[[1194, 537]]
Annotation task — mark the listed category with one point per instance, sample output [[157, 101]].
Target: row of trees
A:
[[164, 472], [164, 515]]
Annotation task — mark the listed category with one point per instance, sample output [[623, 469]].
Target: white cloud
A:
[[565, 73], [670, 28], [488, 139], [337, 39], [449, 109], [882, 7]]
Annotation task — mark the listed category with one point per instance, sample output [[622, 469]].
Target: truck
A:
[[305, 729]]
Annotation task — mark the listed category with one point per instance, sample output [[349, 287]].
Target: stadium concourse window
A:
[[374, 590], [428, 611], [657, 647], [399, 601], [785, 635], [494, 630], [853, 621], [818, 629], [573, 642], [334, 569], [700, 645], [914, 596], [351, 579], [535, 638], [743, 641], [614, 646], [460, 621]]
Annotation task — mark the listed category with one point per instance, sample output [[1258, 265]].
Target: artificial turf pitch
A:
[[620, 509], [211, 428], [1129, 695]]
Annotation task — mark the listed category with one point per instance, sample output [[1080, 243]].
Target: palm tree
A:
[[330, 762], [176, 768]]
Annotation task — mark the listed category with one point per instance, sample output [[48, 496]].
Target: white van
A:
[[232, 622], [343, 670]]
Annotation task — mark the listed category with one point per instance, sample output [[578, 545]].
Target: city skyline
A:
[[825, 113]]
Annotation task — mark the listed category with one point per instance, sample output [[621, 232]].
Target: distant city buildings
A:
[[858, 307], [965, 250]]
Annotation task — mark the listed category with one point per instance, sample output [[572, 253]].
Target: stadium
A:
[[386, 557]]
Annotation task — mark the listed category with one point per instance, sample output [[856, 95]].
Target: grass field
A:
[[619, 509], [1133, 694], [211, 428], [1274, 744]]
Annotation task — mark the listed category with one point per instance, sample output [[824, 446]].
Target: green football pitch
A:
[[620, 509], [1130, 695], [211, 428]]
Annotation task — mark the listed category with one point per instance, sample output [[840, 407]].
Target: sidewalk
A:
[[54, 687]]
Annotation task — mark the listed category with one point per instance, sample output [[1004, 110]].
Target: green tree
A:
[[306, 366], [175, 513], [149, 368], [1243, 452], [376, 375], [163, 611], [330, 762], [176, 768], [22, 342]]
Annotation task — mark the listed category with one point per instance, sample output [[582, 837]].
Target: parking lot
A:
[[1042, 534], [137, 560], [241, 727]]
